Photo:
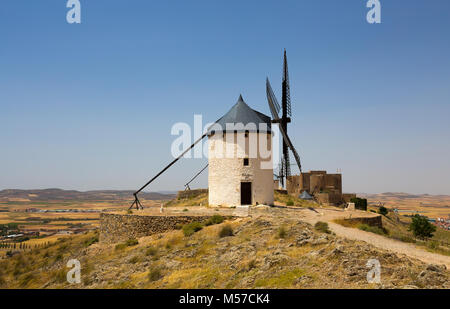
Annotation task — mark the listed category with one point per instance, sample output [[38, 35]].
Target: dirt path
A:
[[379, 241]]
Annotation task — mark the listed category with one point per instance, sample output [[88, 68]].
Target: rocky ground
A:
[[270, 249]]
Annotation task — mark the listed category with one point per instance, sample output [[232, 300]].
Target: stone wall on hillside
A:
[[371, 221], [121, 227]]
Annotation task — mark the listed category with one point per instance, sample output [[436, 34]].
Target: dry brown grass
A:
[[285, 199], [199, 200]]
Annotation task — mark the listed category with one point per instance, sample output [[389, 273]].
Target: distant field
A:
[[432, 206], [57, 224]]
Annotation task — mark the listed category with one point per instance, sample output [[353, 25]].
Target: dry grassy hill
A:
[[271, 250]]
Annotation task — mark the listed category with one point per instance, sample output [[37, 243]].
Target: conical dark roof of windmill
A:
[[247, 119]]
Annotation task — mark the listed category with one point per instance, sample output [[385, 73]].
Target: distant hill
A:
[[399, 195], [59, 194]]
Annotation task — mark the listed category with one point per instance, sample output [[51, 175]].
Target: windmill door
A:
[[246, 193]]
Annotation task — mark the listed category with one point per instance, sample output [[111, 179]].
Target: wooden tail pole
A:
[[136, 199]]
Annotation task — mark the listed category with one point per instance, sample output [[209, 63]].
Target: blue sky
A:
[[91, 105]]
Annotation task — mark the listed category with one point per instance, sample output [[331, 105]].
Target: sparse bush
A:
[[405, 238], [134, 260], [132, 242], [191, 228], [281, 233], [383, 211], [63, 247], [216, 219], [60, 276], [251, 265], [151, 251], [178, 226], [290, 203], [120, 246], [322, 227], [225, 231], [185, 209], [421, 227], [372, 229], [129, 211], [433, 244], [91, 240], [154, 274], [129, 243]]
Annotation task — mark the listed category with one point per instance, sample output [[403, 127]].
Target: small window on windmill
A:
[[246, 134], [245, 161]]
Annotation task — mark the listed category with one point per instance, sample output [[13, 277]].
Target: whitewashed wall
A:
[[227, 170]]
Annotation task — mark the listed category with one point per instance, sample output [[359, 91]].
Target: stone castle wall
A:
[[121, 227]]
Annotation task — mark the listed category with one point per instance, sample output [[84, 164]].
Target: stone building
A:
[[240, 170], [326, 188]]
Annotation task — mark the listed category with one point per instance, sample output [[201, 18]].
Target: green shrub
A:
[[372, 229], [290, 203], [91, 241], [360, 203], [225, 231], [383, 211], [134, 260], [185, 209], [405, 238], [120, 246], [433, 244], [129, 211], [154, 274], [191, 228], [281, 233], [322, 227], [132, 242], [421, 227], [216, 219]]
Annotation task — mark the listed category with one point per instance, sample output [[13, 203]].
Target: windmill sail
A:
[[286, 99], [272, 100]]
